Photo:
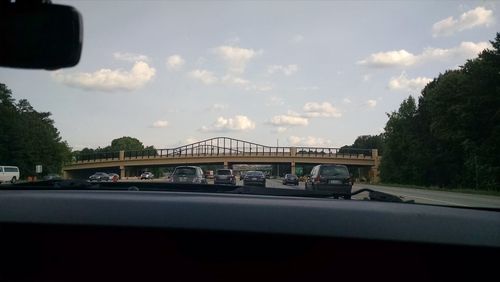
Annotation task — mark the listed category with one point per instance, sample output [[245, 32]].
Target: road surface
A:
[[420, 196]]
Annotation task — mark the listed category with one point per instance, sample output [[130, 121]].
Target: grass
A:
[[433, 188]]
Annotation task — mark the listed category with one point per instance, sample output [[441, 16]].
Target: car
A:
[[9, 173], [225, 176], [290, 179], [332, 178], [52, 176], [99, 177], [147, 175], [254, 178], [188, 174], [114, 177]]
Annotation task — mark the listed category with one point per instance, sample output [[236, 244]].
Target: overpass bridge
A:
[[222, 151]]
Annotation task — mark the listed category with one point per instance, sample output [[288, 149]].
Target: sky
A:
[[270, 72]]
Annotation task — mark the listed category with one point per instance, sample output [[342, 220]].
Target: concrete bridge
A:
[[222, 151]]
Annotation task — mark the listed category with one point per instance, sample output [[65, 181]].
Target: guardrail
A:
[[227, 152]]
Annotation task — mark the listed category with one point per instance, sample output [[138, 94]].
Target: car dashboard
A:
[[180, 236]]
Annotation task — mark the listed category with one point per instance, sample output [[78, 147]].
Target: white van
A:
[[9, 173]]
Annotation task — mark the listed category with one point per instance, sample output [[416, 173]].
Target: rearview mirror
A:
[[39, 35]]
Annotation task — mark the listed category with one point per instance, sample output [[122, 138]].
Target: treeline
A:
[[28, 137], [451, 137], [123, 143]]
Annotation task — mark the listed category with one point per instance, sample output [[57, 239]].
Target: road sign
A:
[[38, 169], [299, 170]]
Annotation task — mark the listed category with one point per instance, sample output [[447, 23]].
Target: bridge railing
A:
[[207, 151], [334, 152], [214, 151], [95, 157]]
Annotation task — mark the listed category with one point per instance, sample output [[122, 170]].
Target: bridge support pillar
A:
[[122, 172], [226, 164], [292, 167], [374, 170]]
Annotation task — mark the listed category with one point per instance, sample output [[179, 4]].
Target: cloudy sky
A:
[[300, 73]]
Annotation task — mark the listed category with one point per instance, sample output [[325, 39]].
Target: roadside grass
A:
[[433, 188]]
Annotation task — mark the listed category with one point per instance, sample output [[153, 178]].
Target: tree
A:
[[451, 138], [28, 137], [126, 143]]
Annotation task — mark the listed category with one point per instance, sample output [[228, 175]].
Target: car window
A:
[[334, 171], [185, 171], [11, 169], [224, 172], [1, 169]]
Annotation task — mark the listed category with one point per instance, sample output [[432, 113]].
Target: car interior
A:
[[52, 231]]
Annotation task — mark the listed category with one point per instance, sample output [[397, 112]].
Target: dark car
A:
[[225, 176], [331, 178], [52, 176], [290, 179], [188, 174], [99, 176], [254, 178]]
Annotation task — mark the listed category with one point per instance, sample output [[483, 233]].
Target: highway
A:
[[420, 196]]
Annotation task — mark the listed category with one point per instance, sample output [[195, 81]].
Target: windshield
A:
[[185, 171], [401, 97], [334, 171], [254, 173]]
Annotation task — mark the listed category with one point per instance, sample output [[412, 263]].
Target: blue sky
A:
[[304, 73]]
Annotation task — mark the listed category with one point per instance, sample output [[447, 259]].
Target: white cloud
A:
[[468, 20], [371, 103], [236, 123], [229, 79], [175, 62], [236, 57], [204, 76], [107, 79], [347, 100], [308, 88], [259, 88], [191, 140], [403, 58], [389, 59], [289, 120], [286, 70], [130, 57], [274, 101], [325, 109], [160, 124], [310, 141], [217, 107], [402, 82], [297, 38], [280, 129]]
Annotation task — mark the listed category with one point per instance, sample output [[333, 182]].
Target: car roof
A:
[[187, 166]]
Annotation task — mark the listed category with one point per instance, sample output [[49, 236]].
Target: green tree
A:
[[451, 138], [28, 137]]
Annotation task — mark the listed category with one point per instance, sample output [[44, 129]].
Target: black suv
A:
[[224, 176], [331, 178]]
